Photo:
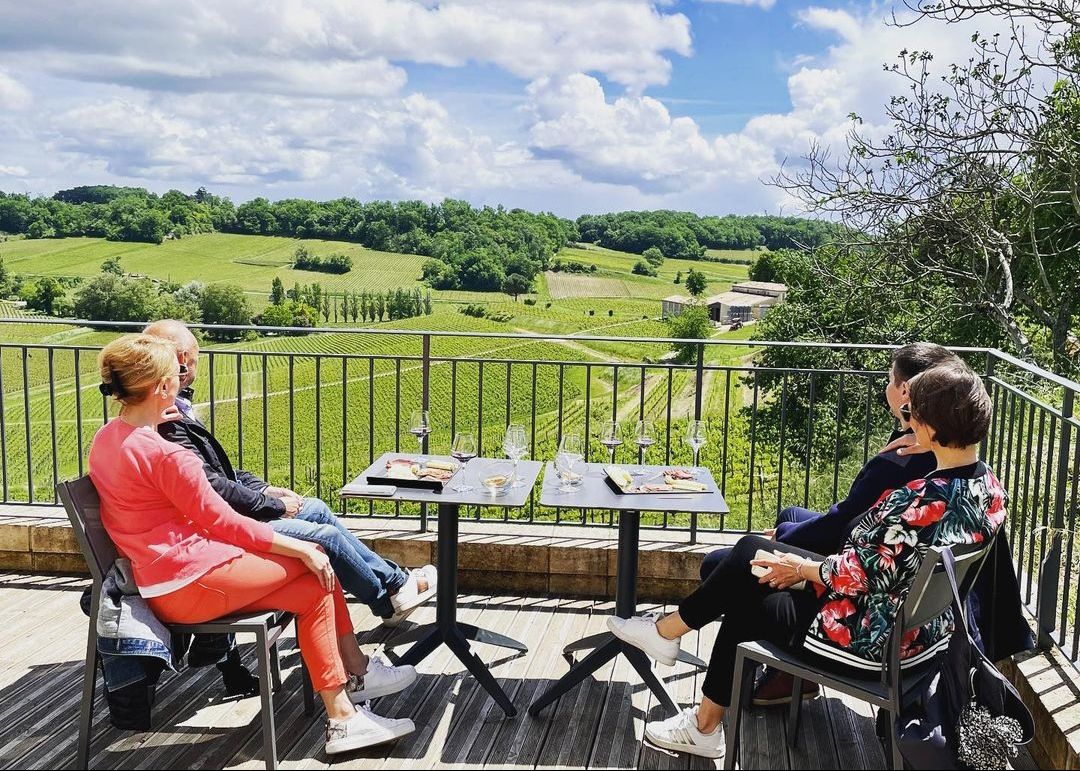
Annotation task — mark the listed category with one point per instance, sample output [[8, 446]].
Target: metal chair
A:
[[83, 507], [929, 597]]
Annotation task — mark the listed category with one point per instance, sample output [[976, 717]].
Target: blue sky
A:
[[562, 105]]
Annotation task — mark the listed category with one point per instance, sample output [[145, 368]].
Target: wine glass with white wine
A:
[[515, 445], [696, 438], [420, 427]]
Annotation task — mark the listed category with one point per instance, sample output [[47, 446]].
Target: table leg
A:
[[605, 645], [446, 628]]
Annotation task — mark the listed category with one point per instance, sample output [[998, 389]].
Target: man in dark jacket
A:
[[1000, 627], [389, 591]]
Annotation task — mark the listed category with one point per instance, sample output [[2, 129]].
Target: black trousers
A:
[[751, 611]]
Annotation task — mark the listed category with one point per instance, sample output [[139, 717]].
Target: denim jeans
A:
[[362, 573]]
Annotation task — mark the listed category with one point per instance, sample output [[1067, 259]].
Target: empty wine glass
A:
[[515, 445], [696, 438], [420, 427], [571, 453], [611, 436], [644, 438], [463, 450]]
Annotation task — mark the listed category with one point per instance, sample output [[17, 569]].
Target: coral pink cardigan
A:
[[161, 511]]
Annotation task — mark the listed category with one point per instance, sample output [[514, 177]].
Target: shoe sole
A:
[[415, 603], [690, 749], [618, 632], [368, 694], [371, 740], [783, 700]]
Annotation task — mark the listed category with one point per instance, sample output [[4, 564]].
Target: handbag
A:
[[962, 713]]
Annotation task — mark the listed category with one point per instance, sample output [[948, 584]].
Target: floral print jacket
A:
[[866, 582]]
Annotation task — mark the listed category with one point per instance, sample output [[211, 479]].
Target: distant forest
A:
[[485, 249]]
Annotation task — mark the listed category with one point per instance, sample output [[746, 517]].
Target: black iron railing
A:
[[312, 412]]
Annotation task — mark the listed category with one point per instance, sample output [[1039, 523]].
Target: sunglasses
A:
[[905, 412], [183, 370]]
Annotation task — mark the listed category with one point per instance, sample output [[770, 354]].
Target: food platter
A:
[[432, 474], [669, 481]]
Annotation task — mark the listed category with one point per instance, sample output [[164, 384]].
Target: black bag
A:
[[962, 713]]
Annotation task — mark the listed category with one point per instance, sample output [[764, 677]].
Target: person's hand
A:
[[317, 562], [770, 533], [783, 570], [293, 501], [171, 413], [905, 445]]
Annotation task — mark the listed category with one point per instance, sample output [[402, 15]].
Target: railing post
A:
[[1050, 570], [699, 380], [991, 361], [425, 402]]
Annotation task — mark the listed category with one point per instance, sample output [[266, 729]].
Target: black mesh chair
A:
[[930, 596], [83, 507]]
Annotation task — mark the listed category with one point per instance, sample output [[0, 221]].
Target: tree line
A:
[[302, 305]]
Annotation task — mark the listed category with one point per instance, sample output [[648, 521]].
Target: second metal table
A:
[[596, 494]]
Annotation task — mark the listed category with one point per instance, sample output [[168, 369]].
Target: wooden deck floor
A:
[[599, 725]]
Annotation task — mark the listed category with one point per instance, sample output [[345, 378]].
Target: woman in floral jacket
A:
[[841, 607]]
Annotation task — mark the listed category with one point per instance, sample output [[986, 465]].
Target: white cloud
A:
[[765, 4], [13, 94], [337, 47], [13, 171]]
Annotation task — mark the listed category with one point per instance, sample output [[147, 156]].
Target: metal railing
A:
[[312, 412]]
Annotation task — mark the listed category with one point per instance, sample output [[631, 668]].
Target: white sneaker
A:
[[640, 631], [364, 729], [680, 734], [381, 679], [409, 597]]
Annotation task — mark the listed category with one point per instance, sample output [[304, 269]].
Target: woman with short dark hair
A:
[[847, 610]]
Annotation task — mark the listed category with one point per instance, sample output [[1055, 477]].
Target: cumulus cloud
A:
[[632, 140], [334, 47], [13, 94], [766, 4]]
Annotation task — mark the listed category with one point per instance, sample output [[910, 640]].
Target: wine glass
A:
[[611, 436], [644, 438], [420, 427], [463, 450], [696, 438], [515, 445], [571, 452]]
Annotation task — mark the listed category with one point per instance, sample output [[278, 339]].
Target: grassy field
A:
[[311, 411]]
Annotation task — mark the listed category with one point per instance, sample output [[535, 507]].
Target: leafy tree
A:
[[427, 304], [5, 279], [696, 282], [112, 265], [184, 303], [277, 291], [653, 256], [225, 304], [692, 324], [288, 314], [40, 229], [678, 277], [516, 284], [47, 296], [326, 308], [380, 307], [642, 268], [295, 294]]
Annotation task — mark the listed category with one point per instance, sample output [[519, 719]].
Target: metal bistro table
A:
[[446, 628], [595, 493]]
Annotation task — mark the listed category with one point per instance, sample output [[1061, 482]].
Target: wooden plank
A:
[[852, 723], [575, 718], [515, 617], [519, 743]]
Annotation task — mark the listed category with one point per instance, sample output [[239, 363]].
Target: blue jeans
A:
[[790, 514], [363, 573]]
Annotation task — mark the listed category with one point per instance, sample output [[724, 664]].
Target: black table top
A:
[[595, 493], [528, 471]]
